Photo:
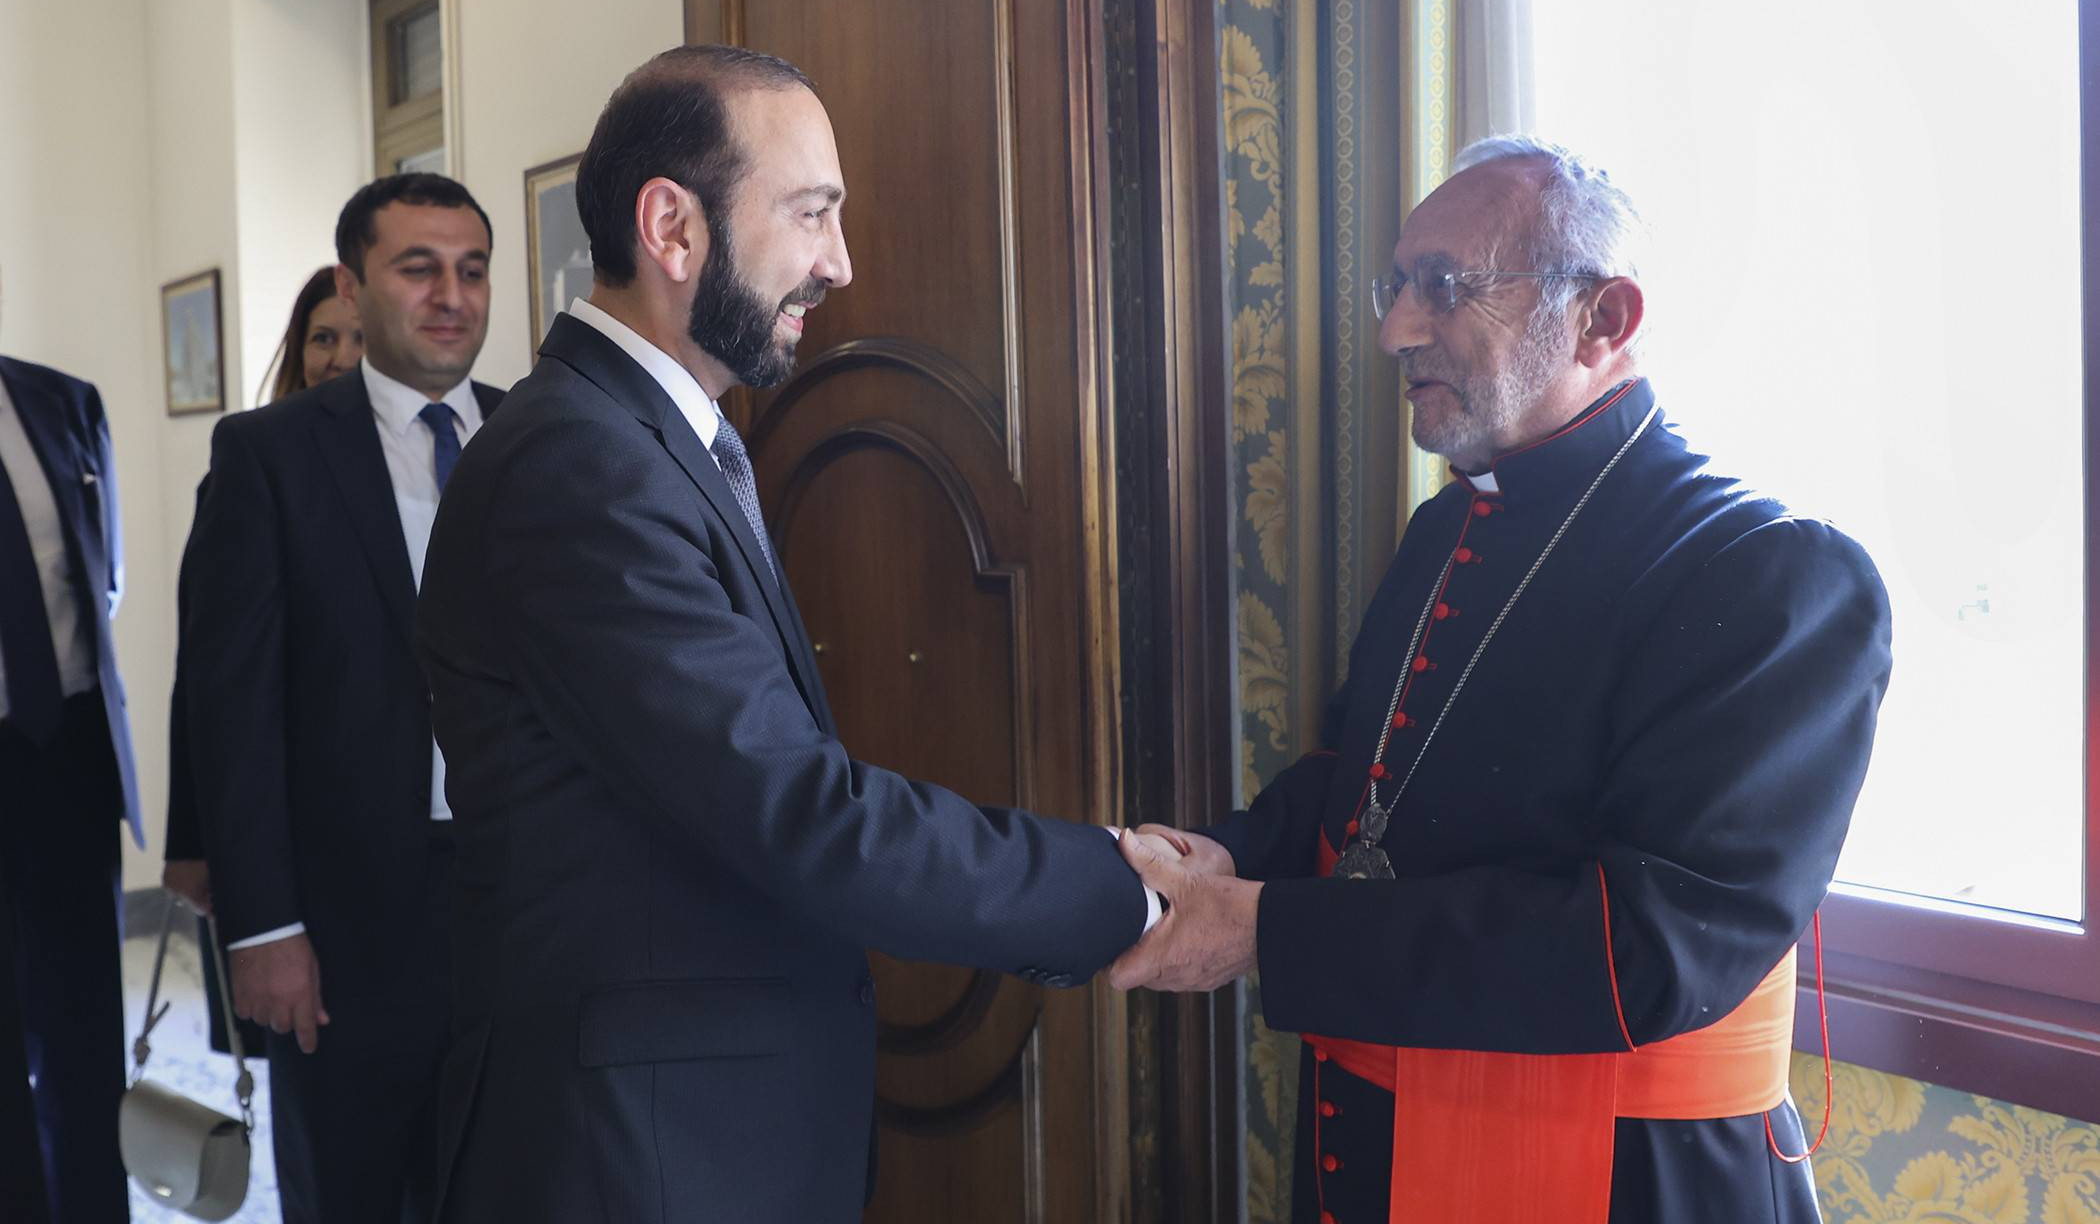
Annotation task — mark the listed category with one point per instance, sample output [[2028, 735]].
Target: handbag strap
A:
[[244, 1082]]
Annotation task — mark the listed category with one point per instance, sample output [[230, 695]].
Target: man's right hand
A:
[[1198, 853], [278, 984]]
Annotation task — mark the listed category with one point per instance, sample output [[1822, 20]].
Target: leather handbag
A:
[[184, 1153]]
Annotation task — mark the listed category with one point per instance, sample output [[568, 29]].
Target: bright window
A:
[[1864, 295]]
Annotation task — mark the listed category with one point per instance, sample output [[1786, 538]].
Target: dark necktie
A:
[[25, 631], [736, 469], [444, 438]]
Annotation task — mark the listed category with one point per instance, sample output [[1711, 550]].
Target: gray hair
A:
[[1586, 223]]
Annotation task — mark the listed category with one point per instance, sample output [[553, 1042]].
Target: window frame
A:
[[2003, 1005], [416, 126]]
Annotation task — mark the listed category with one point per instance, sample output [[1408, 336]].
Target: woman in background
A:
[[323, 340]]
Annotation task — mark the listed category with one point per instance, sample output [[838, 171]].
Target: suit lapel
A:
[[591, 354], [67, 470], [348, 440]]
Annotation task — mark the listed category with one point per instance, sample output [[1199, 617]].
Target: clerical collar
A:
[[1570, 456]]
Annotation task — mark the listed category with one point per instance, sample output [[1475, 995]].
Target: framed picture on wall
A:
[[191, 352], [556, 250]]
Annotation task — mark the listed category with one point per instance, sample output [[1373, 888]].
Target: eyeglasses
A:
[[1441, 289]]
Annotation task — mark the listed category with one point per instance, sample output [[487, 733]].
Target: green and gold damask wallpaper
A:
[[1271, 432], [1905, 1152], [1311, 95], [1310, 201]]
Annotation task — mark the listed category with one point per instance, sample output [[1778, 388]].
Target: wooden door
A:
[[933, 475]]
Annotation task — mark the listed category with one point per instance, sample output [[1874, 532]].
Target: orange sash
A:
[[1527, 1138]]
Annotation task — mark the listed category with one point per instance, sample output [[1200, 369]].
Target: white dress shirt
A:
[[71, 636], [694, 403], [411, 466], [705, 416]]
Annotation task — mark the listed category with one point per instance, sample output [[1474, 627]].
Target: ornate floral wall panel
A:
[[1274, 431], [1905, 1152], [1308, 94]]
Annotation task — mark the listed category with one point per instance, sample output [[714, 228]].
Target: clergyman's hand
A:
[[278, 984], [1198, 853], [1207, 936]]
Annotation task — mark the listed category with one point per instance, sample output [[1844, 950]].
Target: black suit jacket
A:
[[308, 719], [63, 417], [669, 867]]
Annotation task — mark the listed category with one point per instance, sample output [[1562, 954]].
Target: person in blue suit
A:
[[66, 781]]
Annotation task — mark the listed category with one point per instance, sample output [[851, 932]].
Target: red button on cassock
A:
[[1400, 722], [1350, 828], [1330, 1164], [1482, 509], [1319, 1056], [1328, 1110], [1463, 556], [1443, 611], [1420, 664], [1378, 771]]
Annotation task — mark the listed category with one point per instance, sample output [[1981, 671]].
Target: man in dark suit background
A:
[[66, 780], [669, 867], [317, 780]]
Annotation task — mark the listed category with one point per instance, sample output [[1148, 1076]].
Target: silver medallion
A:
[[1374, 822], [1363, 861]]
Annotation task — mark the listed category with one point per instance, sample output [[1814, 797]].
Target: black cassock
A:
[[1683, 696]]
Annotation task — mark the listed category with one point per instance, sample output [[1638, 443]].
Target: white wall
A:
[[533, 75], [302, 100]]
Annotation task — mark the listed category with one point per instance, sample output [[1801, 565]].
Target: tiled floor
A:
[[183, 1059]]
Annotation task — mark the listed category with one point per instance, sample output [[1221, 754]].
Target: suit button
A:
[[867, 992]]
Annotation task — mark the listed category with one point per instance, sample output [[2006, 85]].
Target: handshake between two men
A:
[[1205, 937]]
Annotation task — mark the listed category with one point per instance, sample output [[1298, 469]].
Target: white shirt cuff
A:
[[297, 928], [1153, 909]]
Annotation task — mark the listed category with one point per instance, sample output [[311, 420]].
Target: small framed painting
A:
[[191, 352], [556, 249]]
